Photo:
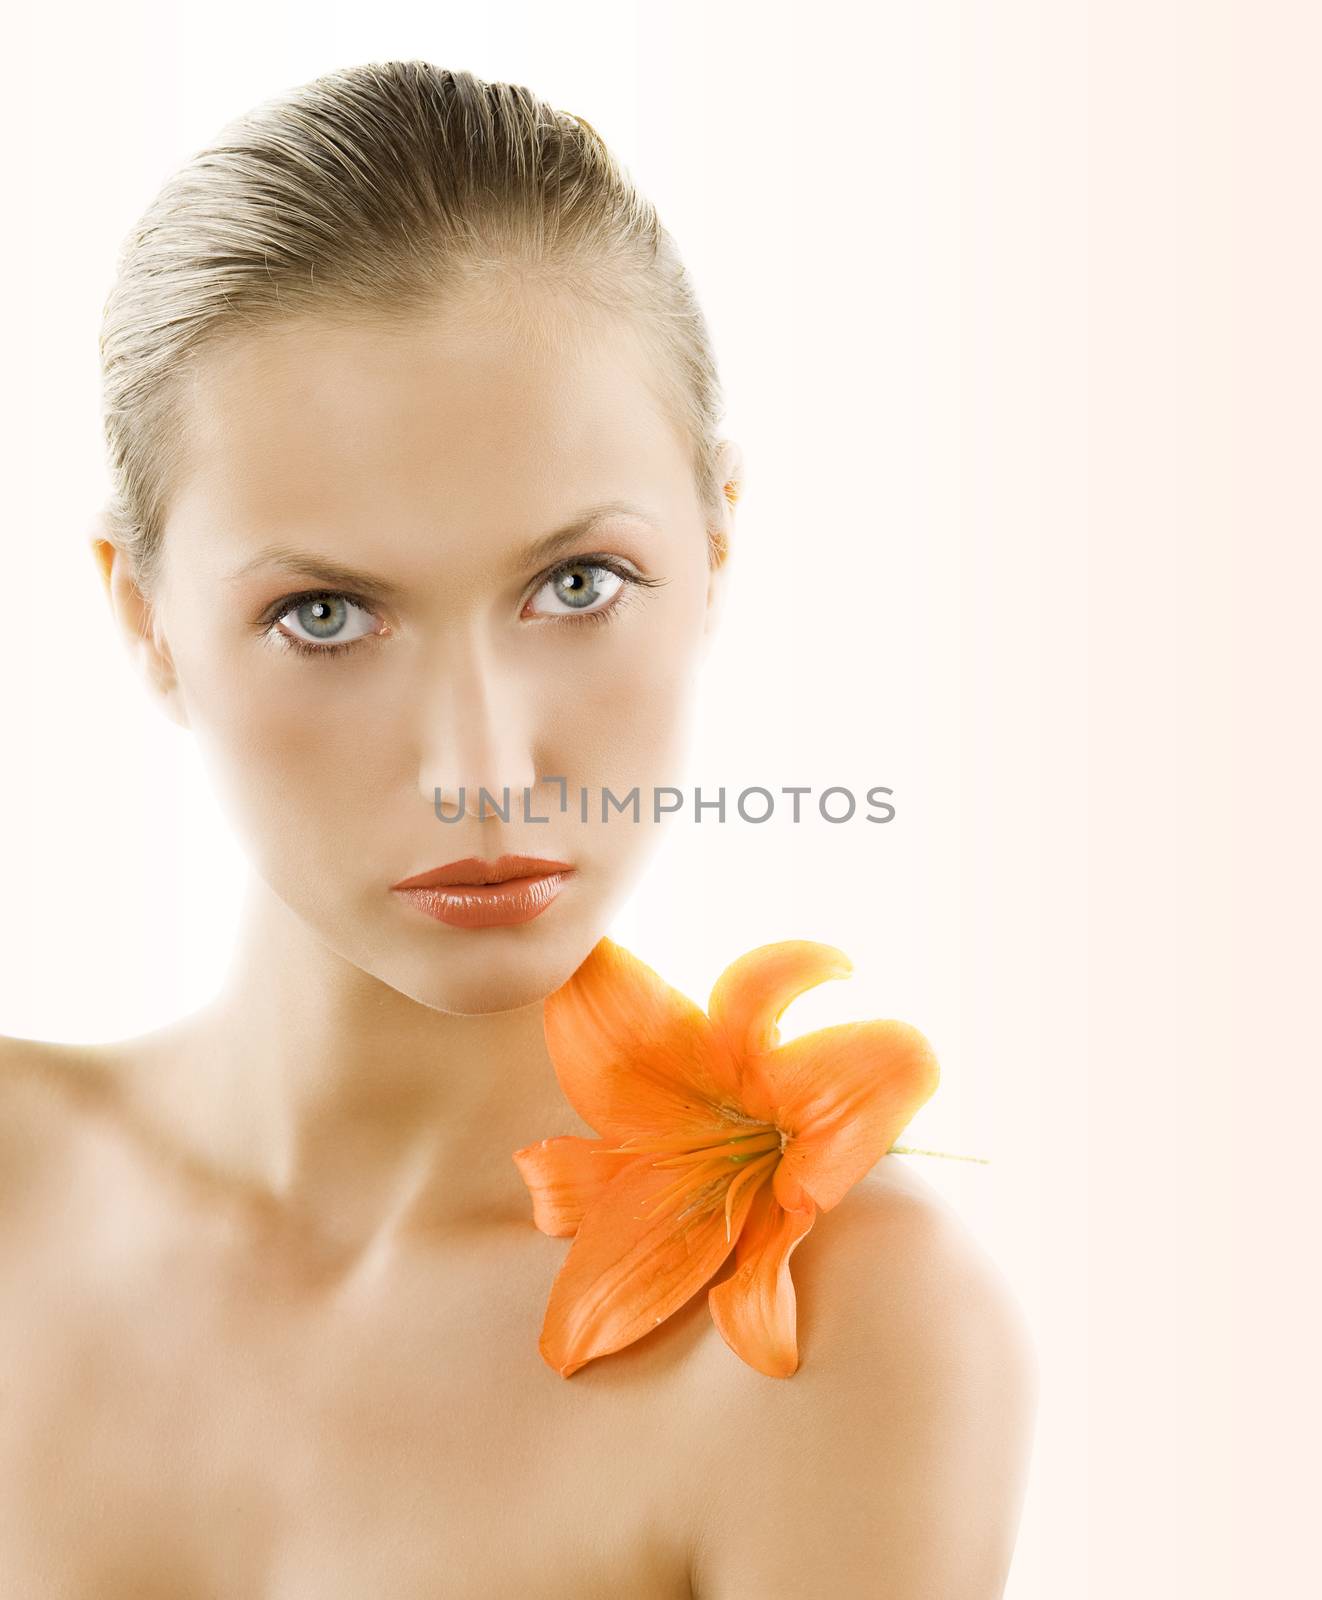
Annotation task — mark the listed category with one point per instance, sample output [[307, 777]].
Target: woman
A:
[[418, 494]]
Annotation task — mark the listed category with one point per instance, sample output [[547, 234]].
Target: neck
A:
[[354, 1112]]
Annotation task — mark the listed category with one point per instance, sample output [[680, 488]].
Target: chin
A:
[[477, 973], [485, 995]]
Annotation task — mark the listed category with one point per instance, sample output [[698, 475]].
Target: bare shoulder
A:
[[45, 1089], [892, 1463], [894, 1260]]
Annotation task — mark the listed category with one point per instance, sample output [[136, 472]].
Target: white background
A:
[[1017, 311]]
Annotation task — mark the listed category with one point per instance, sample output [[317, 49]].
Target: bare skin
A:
[[205, 1400], [216, 1401], [269, 1288]]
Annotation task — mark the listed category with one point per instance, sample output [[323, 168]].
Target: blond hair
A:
[[374, 193]]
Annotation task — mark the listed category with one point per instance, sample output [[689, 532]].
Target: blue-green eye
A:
[[580, 587], [325, 620]]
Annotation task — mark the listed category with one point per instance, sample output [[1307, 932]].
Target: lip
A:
[[482, 894], [474, 872]]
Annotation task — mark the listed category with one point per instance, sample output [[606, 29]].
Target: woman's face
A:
[[430, 462]]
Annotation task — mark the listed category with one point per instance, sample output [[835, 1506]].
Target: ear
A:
[[730, 462], [137, 620]]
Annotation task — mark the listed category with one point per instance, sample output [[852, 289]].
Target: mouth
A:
[[481, 894], [473, 873]]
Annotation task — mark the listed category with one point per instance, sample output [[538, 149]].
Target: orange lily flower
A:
[[715, 1137]]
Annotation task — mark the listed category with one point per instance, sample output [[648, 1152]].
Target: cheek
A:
[[631, 733], [619, 714], [294, 756], [655, 706]]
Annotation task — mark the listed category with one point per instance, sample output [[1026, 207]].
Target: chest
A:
[[200, 1425]]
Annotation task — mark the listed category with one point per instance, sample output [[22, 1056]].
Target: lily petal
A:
[[843, 1095], [628, 1270], [754, 1309], [633, 1055], [749, 996], [565, 1175]]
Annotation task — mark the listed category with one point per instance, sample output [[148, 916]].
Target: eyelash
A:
[[633, 581]]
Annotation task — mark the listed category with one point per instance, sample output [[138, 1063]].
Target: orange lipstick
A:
[[483, 894]]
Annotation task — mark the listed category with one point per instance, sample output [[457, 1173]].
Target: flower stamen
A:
[[669, 1144], [756, 1171], [686, 1181], [736, 1150]]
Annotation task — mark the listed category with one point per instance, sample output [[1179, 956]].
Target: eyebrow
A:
[[310, 564]]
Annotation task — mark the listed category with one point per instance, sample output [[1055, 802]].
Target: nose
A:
[[474, 735]]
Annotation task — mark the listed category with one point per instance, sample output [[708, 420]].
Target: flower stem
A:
[[911, 1150]]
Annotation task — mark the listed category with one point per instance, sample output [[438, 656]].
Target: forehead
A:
[[454, 423]]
